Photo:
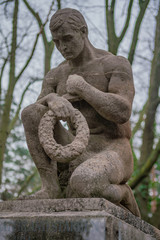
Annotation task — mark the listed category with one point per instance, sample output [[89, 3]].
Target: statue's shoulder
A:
[[113, 63], [62, 69], [51, 74], [62, 65], [55, 72]]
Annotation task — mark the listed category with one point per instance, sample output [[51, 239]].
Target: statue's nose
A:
[[63, 46]]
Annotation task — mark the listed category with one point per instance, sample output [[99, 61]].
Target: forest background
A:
[[130, 28]]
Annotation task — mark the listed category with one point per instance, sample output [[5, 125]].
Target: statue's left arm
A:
[[114, 105]]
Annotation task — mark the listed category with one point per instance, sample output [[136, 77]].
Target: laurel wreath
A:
[[70, 151]]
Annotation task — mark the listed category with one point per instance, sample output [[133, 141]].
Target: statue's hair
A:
[[67, 15]]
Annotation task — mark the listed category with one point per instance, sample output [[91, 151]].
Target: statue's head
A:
[[69, 30], [68, 15]]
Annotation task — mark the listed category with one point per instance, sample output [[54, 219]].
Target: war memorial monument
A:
[[83, 169]]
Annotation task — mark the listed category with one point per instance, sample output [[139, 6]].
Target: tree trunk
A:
[[149, 131], [9, 95], [49, 47]]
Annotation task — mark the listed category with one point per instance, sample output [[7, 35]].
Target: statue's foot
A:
[[130, 203], [122, 196], [42, 194]]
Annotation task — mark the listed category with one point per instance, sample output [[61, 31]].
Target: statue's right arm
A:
[[46, 96]]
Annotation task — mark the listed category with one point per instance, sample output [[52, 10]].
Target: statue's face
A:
[[69, 42]]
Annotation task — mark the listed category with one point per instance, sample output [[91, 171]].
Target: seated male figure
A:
[[100, 85]]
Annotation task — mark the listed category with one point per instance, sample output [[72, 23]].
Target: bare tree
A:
[[150, 148], [11, 51]]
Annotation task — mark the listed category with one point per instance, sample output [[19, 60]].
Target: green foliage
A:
[[154, 185]]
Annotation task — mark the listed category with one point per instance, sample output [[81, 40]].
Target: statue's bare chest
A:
[[93, 74]]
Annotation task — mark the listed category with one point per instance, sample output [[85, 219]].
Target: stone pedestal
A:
[[71, 219]]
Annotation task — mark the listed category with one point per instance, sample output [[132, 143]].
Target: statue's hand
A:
[[60, 106], [75, 84]]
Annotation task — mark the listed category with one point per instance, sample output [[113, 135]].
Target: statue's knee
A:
[[28, 113], [74, 183], [81, 185]]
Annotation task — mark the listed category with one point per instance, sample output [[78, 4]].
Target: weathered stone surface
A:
[[73, 227], [119, 224], [93, 91]]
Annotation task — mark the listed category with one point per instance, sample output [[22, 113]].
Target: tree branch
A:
[[143, 7], [29, 58], [112, 38], [7, 1], [5, 41], [50, 10], [127, 21], [149, 127], [37, 17], [27, 181], [141, 118], [35, 189], [113, 4], [59, 4], [9, 95], [1, 74], [24, 35], [14, 119], [144, 171], [48, 45], [134, 157], [39, 21]]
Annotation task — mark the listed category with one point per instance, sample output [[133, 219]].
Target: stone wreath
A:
[[56, 151]]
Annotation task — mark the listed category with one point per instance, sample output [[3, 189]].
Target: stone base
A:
[[71, 219]]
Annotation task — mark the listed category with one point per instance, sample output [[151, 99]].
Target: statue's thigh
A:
[[104, 170], [104, 167]]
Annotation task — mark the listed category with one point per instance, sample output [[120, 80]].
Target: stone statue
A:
[[92, 89]]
